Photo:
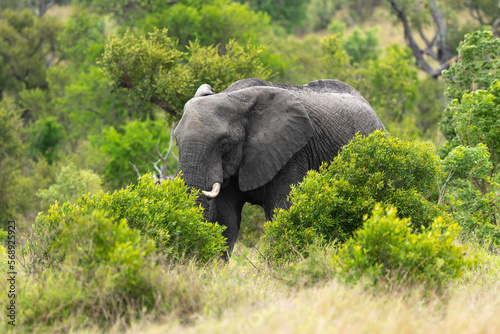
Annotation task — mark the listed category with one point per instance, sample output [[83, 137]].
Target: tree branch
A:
[[409, 37], [163, 170], [136, 170], [28, 2], [44, 6], [443, 54]]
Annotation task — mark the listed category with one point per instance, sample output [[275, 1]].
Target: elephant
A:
[[254, 140]]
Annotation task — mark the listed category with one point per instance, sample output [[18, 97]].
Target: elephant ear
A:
[[278, 126], [204, 90]]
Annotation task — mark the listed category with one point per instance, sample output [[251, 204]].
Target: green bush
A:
[[330, 203], [387, 250], [362, 47], [105, 277], [46, 138], [165, 213]]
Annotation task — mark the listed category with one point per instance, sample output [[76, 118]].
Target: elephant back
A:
[[325, 86]]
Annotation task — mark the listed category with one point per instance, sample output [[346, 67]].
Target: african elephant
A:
[[255, 139]]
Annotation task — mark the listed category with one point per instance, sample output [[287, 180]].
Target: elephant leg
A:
[[278, 189], [226, 210]]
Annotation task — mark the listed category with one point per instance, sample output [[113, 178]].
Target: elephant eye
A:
[[223, 144]]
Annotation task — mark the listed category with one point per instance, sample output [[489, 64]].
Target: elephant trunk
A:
[[200, 170]]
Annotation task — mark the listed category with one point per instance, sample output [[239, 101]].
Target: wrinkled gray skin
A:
[[258, 138]]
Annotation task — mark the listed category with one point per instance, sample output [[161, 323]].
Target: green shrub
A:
[[387, 250], [362, 46], [330, 203], [106, 277], [165, 213]]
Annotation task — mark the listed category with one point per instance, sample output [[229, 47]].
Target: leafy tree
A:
[[154, 70], [329, 204], [134, 146], [470, 124], [11, 148], [214, 22], [89, 105], [70, 184], [83, 38], [472, 198], [472, 116], [476, 128], [28, 46], [290, 14], [362, 46], [81, 101], [477, 120], [477, 67], [46, 139]]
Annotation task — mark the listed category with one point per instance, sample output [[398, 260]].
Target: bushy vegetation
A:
[[330, 204], [164, 213], [106, 276], [386, 249]]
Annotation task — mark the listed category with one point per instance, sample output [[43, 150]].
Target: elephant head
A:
[[250, 133]]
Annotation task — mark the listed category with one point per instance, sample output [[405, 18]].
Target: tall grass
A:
[[467, 306], [249, 296]]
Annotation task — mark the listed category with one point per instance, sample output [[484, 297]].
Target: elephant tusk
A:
[[214, 192]]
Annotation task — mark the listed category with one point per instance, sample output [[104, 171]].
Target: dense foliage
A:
[[165, 79], [107, 264], [330, 204], [164, 213], [471, 126], [387, 249]]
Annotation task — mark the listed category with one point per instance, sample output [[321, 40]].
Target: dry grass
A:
[[337, 308], [262, 305]]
